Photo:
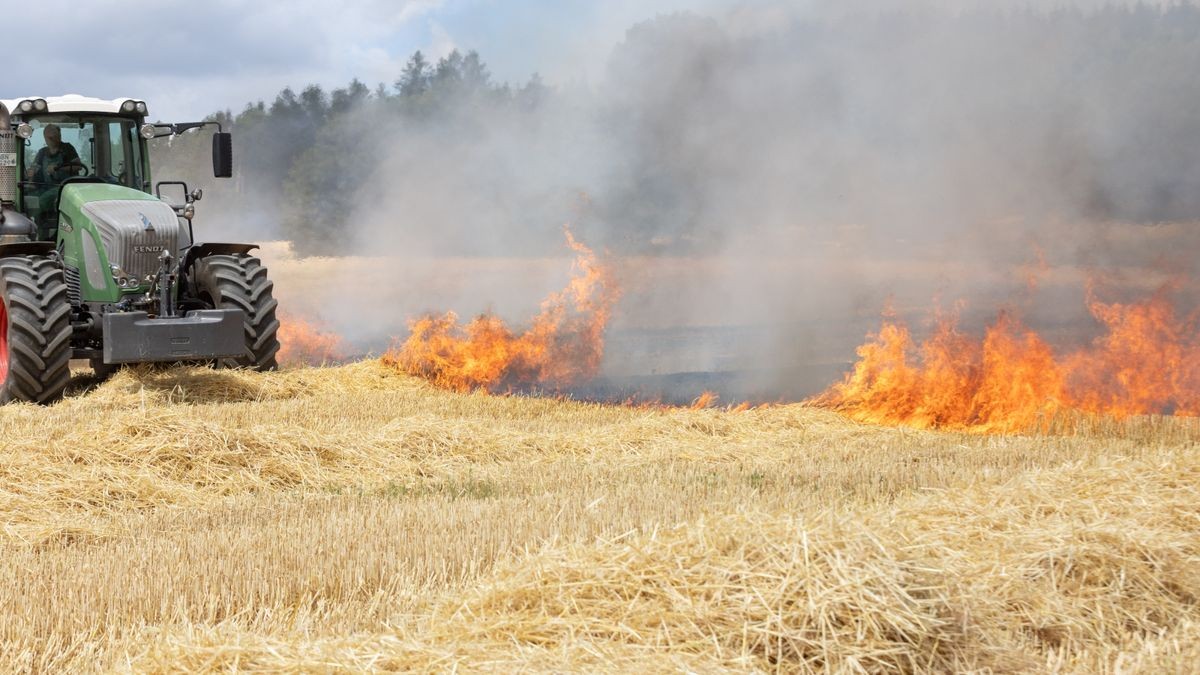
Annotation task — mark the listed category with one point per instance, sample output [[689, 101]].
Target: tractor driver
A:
[[54, 163], [51, 166]]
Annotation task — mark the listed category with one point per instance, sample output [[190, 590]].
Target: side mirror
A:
[[167, 189], [222, 155]]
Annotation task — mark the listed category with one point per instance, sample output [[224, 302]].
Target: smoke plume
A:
[[767, 177]]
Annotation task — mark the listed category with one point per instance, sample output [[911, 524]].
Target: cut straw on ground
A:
[[352, 518]]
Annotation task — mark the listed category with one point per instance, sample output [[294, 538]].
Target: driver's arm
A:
[[71, 161]]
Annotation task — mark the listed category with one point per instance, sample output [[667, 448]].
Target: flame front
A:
[[302, 342], [563, 345], [1146, 362]]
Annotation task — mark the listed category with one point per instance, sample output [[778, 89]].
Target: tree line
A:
[[301, 158]]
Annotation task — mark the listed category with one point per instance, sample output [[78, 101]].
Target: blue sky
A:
[[187, 60]]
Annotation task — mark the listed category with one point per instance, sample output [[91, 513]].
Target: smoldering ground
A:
[[768, 178]]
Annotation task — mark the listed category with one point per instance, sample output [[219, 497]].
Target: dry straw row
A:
[[1083, 568], [186, 438], [1088, 567]]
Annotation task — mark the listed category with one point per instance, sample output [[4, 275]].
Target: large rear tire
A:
[[35, 330], [240, 282]]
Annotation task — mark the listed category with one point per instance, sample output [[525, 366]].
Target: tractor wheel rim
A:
[[3, 343]]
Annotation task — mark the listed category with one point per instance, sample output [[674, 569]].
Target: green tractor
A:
[[96, 265]]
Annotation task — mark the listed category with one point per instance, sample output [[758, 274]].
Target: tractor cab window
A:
[[69, 146], [55, 152]]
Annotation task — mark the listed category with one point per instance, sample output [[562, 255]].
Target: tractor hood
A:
[[128, 228], [75, 195]]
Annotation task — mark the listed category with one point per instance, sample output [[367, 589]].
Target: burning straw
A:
[[1147, 361], [563, 345], [305, 343]]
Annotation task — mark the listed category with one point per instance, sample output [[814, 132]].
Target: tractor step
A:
[[201, 335]]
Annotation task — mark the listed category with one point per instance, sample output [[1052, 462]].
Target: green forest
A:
[[304, 155]]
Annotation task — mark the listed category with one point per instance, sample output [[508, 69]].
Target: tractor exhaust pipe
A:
[[8, 159]]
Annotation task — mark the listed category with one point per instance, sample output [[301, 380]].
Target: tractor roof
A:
[[71, 103]]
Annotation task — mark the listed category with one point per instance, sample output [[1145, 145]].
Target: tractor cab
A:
[[74, 139], [64, 147]]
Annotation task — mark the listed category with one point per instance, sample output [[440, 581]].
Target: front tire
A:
[[35, 330], [240, 282]]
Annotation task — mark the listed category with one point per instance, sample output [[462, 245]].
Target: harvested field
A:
[[353, 518]]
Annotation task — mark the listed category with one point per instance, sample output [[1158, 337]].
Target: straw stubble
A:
[[355, 519]]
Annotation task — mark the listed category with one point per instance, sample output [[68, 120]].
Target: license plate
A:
[[8, 159]]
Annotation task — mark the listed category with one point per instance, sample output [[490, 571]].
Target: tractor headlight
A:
[[141, 107], [25, 131], [148, 131], [40, 105], [128, 106], [25, 106], [189, 211]]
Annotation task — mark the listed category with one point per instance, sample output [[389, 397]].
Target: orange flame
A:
[[304, 343], [1146, 362], [706, 399], [563, 345]]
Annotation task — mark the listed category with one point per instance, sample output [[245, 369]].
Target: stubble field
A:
[[353, 519]]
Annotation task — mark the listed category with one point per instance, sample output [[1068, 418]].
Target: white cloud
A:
[[187, 63], [440, 42], [417, 8]]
